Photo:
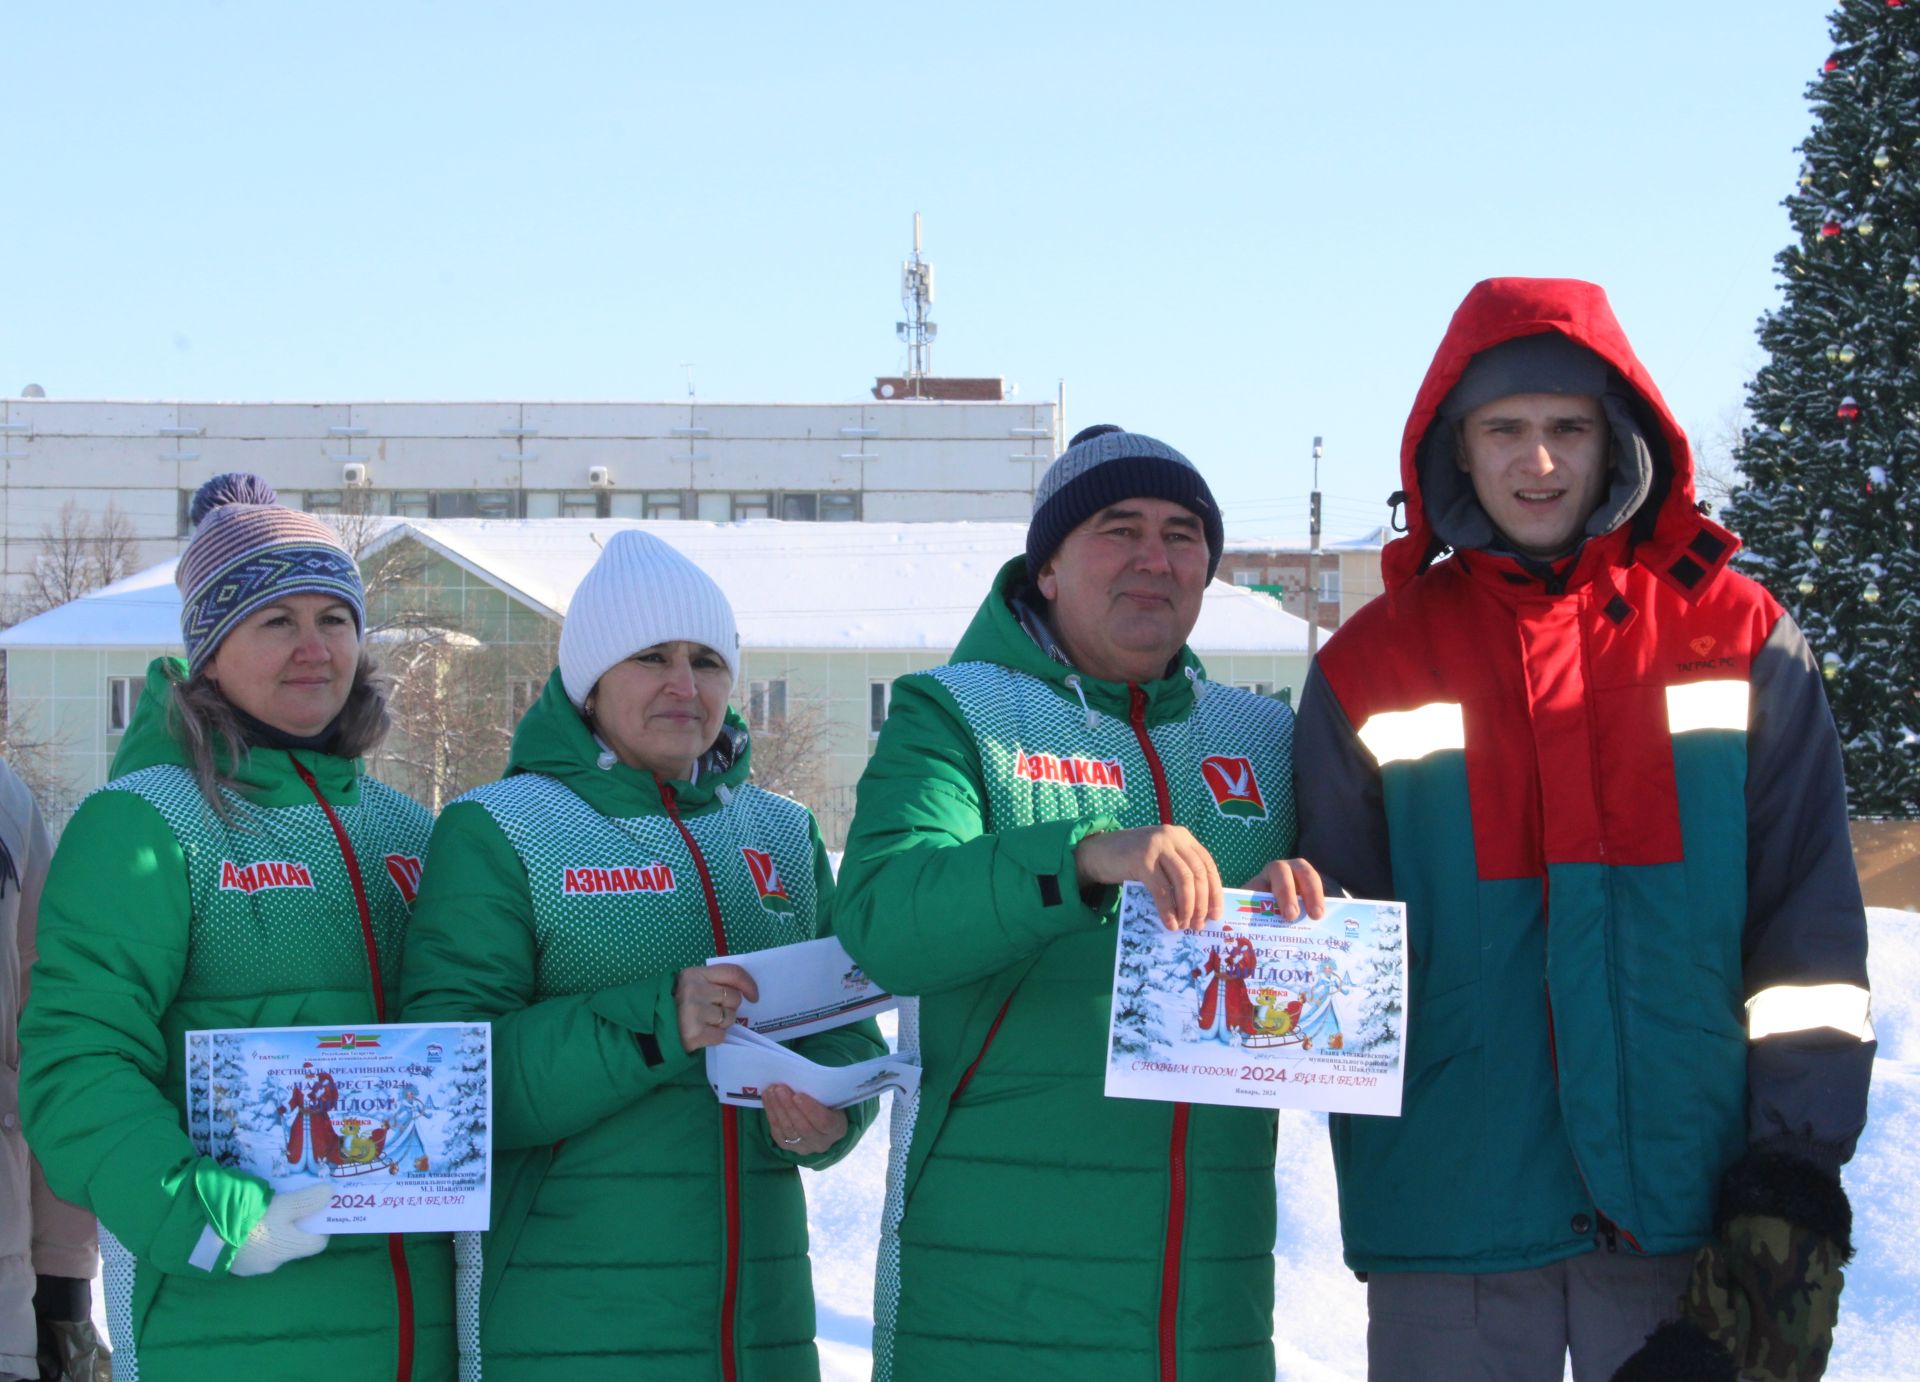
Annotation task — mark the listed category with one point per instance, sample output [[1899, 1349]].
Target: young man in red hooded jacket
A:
[[1598, 765]]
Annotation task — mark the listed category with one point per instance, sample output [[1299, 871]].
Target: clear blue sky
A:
[[1232, 225]]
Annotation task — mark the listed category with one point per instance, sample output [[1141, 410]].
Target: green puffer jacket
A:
[[1037, 1228], [139, 944], [640, 1229]]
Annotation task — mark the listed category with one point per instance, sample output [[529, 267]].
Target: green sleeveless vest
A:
[[1227, 765], [619, 900], [273, 907]]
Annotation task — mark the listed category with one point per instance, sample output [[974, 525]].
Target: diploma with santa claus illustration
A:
[[1258, 1010], [395, 1119]]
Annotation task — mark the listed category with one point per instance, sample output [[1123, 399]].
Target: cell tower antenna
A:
[[916, 297]]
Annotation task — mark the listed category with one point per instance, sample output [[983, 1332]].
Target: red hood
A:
[[1500, 309]]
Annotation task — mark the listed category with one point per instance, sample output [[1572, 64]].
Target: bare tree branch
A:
[[75, 554]]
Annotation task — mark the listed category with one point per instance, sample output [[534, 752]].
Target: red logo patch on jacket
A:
[[766, 880], [404, 870], [1236, 791], [654, 878], [268, 873], [1078, 772]]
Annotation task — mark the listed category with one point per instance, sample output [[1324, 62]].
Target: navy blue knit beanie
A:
[[1104, 465]]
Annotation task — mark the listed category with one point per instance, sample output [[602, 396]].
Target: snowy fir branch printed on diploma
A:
[[1258, 1010], [396, 1118]]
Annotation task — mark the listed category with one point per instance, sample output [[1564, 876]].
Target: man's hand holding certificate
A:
[[1258, 1010]]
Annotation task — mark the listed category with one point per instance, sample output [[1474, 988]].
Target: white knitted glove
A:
[[275, 1241]]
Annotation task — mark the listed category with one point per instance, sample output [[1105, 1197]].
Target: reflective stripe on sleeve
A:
[[1784, 1008], [1403, 735], [1706, 705]]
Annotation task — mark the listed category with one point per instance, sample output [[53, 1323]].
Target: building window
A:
[[580, 503], [752, 506], [1259, 688], [1330, 587], [324, 501], [879, 697], [800, 508], [839, 508], [412, 503], [714, 508], [123, 694], [767, 704], [669, 503], [1246, 576]]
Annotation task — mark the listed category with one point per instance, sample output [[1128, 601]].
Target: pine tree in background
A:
[[1831, 455]]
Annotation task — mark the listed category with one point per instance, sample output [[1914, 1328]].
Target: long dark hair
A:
[[202, 718]]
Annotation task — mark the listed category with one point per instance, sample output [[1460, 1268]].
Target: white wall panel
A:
[[603, 419], [767, 465], [436, 419], [922, 506], [93, 419], [659, 463], [249, 420]]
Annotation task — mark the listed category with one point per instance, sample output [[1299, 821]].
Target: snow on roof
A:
[[815, 586], [139, 611], [1365, 542]]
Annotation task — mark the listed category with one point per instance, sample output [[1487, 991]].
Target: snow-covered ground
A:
[[1879, 1335]]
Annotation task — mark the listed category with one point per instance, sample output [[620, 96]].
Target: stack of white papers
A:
[[747, 1062], [810, 987]]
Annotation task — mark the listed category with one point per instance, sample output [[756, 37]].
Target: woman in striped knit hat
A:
[[246, 753]]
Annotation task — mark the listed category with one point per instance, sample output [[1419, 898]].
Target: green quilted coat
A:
[[1035, 1227], [139, 944], [640, 1229]]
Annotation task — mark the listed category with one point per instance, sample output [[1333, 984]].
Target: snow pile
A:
[[1321, 1315]]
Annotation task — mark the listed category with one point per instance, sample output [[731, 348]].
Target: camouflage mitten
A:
[[1766, 1290]]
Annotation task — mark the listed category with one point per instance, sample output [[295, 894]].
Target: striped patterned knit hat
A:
[[1105, 465], [248, 551]]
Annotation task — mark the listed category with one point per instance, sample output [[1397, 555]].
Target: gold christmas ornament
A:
[[1848, 355], [1871, 594], [1883, 158]]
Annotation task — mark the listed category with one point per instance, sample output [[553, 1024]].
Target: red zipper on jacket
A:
[[1177, 1147], [729, 1122], [396, 1245]]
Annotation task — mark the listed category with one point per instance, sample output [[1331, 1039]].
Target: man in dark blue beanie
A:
[[1072, 743]]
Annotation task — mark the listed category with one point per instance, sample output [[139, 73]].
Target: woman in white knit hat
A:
[[640, 1229]]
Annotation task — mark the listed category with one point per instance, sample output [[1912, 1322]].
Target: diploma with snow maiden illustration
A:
[[396, 1119], [1260, 1011]]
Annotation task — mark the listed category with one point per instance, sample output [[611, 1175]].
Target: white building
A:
[[829, 615], [883, 461]]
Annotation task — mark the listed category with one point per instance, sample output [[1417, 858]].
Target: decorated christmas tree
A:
[[1831, 456]]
